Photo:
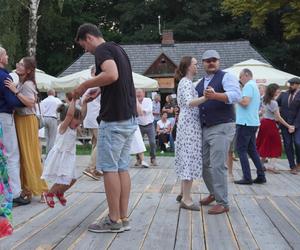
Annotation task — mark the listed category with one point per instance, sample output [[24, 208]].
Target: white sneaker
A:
[[167, 145], [162, 152], [145, 164]]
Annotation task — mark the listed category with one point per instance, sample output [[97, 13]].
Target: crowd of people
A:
[[206, 121]]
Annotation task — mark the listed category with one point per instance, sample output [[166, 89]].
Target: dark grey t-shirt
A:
[[118, 100]]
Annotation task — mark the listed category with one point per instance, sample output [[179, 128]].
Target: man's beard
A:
[[212, 71], [292, 90]]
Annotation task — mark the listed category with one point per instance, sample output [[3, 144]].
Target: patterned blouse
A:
[[6, 196]]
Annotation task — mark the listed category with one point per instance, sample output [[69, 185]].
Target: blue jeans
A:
[[246, 145], [290, 146], [114, 140]]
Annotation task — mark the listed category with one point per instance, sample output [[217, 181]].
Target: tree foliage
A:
[[260, 11], [136, 21]]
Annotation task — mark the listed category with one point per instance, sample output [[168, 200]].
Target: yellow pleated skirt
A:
[[30, 154]]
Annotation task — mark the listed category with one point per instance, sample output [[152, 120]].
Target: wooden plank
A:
[[87, 185], [240, 228], [80, 229], [289, 187], [294, 180], [158, 181], [162, 231], [244, 189], [289, 208], [37, 223], [218, 232], [56, 231], [274, 185], [296, 200], [89, 240], [183, 239], [143, 180], [197, 228], [264, 232], [291, 236], [177, 186], [169, 183], [22, 214], [140, 220], [165, 162]]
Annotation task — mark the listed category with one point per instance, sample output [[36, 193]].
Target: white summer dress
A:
[[188, 147], [60, 164], [137, 145]]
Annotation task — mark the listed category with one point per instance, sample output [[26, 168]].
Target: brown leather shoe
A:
[[206, 201], [153, 162], [218, 209], [294, 171]]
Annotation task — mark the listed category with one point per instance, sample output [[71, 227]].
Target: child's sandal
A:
[[61, 199], [48, 197]]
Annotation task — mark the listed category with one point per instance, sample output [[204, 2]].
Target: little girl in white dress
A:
[[60, 164]]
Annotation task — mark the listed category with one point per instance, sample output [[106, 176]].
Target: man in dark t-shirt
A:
[[117, 123]]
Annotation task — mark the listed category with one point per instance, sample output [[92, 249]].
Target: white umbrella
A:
[[263, 73], [42, 79], [69, 82]]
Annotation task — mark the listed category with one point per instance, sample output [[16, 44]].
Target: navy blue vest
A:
[[214, 112]]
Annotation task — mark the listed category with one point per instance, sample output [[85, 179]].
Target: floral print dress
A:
[[6, 196], [188, 155]]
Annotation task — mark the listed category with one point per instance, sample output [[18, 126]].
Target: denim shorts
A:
[[113, 146]]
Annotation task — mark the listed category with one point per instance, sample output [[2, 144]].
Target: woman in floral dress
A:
[[6, 196], [188, 157]]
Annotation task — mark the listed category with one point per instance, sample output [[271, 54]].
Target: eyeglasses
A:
[[212, 60]]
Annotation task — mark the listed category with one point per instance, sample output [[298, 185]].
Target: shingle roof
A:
[[143, 55]]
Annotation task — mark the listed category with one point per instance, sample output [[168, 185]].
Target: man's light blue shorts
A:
[[113, 146]]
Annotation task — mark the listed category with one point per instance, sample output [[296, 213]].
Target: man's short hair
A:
[[2, 50], [87, 28], [247, 72], [51, 92]]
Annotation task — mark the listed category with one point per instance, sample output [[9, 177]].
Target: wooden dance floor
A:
[[261, 216]]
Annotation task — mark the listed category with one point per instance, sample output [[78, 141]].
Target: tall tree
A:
[[12, 29], [260, 11], [33, 6], [33, 26]]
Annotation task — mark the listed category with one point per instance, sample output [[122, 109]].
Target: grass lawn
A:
[[87, 149]]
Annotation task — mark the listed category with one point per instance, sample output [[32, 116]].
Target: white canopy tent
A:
[[263, 73], [43, 80], [69, 82]]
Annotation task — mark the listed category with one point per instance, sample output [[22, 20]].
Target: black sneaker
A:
[[260, 180], [243, 182], [20, 201]]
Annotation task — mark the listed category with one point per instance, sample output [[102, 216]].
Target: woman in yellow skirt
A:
[[27, 129]]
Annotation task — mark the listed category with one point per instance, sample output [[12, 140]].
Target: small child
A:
[[60, 165]]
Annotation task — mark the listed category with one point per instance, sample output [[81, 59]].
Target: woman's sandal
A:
[[193, 206], [61, 199], [179, 198], [48, 197]]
